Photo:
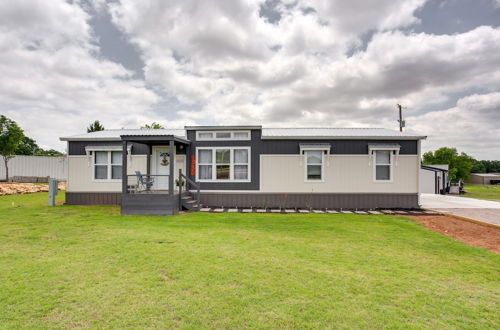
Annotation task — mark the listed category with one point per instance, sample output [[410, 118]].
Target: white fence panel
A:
[[39, 166]]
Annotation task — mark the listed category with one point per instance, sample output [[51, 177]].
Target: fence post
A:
[[52, 191]]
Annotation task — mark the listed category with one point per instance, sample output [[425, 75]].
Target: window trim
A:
[[109, 165], [231, 138], [324, 152], [391, 165], [231, 164]]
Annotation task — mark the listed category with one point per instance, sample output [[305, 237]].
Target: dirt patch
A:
[[12, 188], [470, 233]]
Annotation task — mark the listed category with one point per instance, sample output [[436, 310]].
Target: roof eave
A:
[[344, 137], [221, 128], [75, 139]]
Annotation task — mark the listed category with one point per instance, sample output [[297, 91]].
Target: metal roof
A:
[[222, 127], [486, 174], [336, 133], [311, 133], [114, 134]]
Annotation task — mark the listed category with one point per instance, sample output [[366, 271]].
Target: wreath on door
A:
[[164, 160]]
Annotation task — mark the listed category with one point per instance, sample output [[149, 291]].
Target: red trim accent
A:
[[193, 166]]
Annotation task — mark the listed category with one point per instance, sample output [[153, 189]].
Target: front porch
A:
[[159, 189]]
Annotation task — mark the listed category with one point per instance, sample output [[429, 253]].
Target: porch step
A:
[[190, 203]]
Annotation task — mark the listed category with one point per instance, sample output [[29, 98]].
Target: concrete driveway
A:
[[476, 209]]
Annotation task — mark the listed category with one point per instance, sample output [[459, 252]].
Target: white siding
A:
[[342, 173], [39, 166], [80, 173]]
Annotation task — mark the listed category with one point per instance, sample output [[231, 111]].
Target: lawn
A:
[[482, 191], [77, 266]]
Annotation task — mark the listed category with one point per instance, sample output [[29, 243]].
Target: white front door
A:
[[160, 167]]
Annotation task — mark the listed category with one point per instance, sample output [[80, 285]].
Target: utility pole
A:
[[401, 121]]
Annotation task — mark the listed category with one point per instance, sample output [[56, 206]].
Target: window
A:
[[383, 165], [240, 164], [314, 165], [223, 164], [205, 135], [241, 135], [205, 164], [222, 135], [314, 160], [107, 165]]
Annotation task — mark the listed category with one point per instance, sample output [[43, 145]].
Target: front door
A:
[[160, 167]]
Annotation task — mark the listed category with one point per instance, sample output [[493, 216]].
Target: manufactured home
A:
[[161, 171]]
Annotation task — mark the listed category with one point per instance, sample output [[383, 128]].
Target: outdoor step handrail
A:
[[193, 184]]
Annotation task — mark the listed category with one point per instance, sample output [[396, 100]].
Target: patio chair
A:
[[144, 182]]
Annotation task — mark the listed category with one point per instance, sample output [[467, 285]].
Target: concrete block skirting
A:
[[314, 200]]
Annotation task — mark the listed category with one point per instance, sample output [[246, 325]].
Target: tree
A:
[[49, 153], [478, 167], [27, 147], [460, 165], [95, 127], [11, 136], [153, 125]]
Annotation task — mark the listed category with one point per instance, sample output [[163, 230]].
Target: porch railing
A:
[[189, 183], [147, 184]]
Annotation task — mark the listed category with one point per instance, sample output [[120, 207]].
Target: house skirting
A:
[[161, 204], [93, 198], [152, 204], [311, 200]]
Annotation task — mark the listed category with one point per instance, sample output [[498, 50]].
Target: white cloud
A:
[[471, 125], [239, 67], [53, 82], [225, 63]]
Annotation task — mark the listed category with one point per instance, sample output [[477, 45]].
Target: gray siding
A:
[[165, 204], [93, 198], [314, 200], [77, 148], [153, 204]]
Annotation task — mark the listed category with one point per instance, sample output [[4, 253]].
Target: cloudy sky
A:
[[335, 63]]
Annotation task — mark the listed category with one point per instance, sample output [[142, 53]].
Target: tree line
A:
[[460, 164]]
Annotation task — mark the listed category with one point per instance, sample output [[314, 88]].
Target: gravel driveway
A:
[[476, 209]]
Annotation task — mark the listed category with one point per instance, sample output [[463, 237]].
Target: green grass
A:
[[77, 266], [481, 191]]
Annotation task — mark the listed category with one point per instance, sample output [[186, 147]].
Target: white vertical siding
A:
[[39, 166], [80, 173], [342, 174]]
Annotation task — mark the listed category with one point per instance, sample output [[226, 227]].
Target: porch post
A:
[[148, 160], [172, 165], [124, 168]]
